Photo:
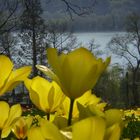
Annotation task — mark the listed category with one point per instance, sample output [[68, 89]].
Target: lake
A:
[[102, 39]]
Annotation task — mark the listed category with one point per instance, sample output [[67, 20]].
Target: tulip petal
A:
[[18, 75], [6, 131], [48, 72], [53, 60], [6, 67], [74, 77], [51, 98], [21, 73], [58, 96], [96, 111], [34, 133], [29, 121], [60, 122], [28, 83], [41, 87], [14, 113], [113, 116], [4, 110], [33, 95], [50, 131], [92, 128], [113, 132], [15, 78], [101, 106], [88, 98]]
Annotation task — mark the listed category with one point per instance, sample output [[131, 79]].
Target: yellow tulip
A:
[[34, 133], [44, 131], [8, 115], [113, 132], [9, 78], [76, 72], [114, 124], [21, 127], [130, 112], [95, 128], [47, 96], [92, 128], [113, 116], [86, 99]]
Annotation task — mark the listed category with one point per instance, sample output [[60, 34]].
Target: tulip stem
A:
[[48, 116], [70, 111]]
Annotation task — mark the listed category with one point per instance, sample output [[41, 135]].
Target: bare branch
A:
[[129, 61], [120, 45], [126, 49], [9, 16], [72, 8], [133, 28]]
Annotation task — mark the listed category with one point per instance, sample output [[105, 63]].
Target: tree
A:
[[95, 48], [7, 44], [108, 86], [59, 37], [10, 11], [8, 15], [32, 27], [79, 8], [128, 47], [118, 10], [124, 90]]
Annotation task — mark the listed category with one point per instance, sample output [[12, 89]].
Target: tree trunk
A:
[[127, 92], [34, 50], [134, 90]]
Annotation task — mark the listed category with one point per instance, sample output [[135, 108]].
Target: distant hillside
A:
[[107, 14]]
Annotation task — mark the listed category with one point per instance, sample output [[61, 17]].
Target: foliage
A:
[[8, 14], [127, 46], [132, 127], [32, 32], [110, 82]]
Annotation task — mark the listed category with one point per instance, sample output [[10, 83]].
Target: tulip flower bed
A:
[[66, 108], [132, 124]]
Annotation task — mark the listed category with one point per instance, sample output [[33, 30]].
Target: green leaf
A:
[[84, 112]]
